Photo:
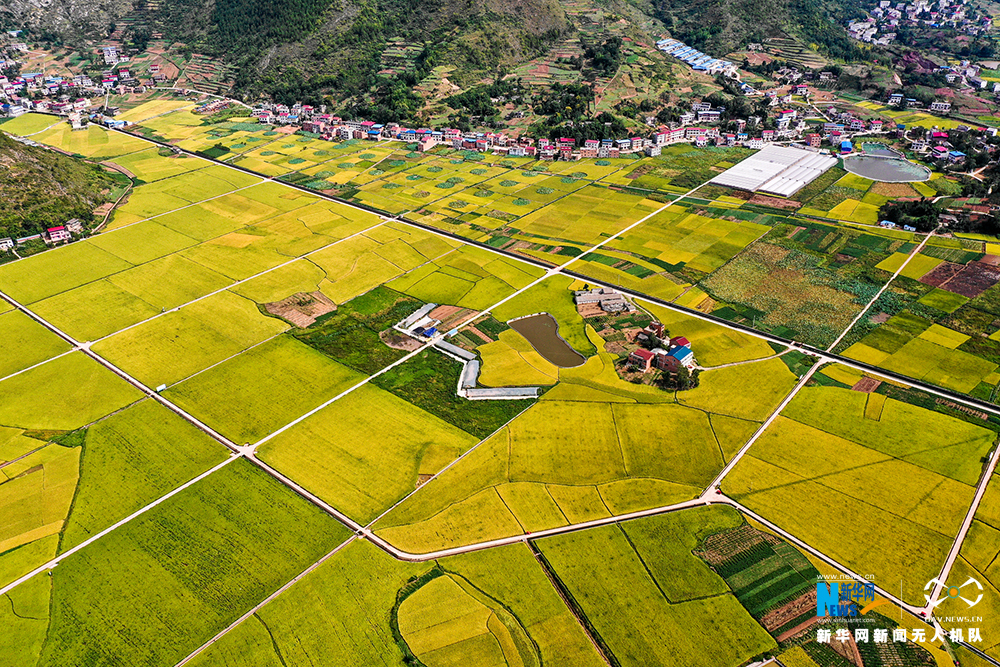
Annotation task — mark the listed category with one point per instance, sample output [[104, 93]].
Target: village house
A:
[[641, 359], [57, 234]]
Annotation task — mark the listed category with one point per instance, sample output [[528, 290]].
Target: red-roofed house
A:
[[57, 234], [641, 359]]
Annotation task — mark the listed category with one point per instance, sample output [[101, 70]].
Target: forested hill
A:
[[40, 188], [720, 26], [368, 55]]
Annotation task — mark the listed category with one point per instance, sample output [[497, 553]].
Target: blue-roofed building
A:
[[682, 354], [845, 146]]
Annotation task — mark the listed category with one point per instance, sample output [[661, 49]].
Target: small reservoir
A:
[[542, 331], [886, 169]]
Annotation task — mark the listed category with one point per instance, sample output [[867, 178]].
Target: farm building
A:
[[608, 299], [776, 170]]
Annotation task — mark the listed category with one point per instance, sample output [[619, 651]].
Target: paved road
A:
[[912, 254], [763, 427], [963, 531], [365, 532], [69, 552]]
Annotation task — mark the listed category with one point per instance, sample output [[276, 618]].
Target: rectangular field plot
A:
[[26, 343], [96, 142], [365, 451], [180, 573], [29, 123], [366, 261], [915, 347], [676, 238], [57, 270], [157, 283], [180, 343], [810, 292], [151, 165], [528, 624], [179, 191], [74, 389], [94, 310], [626, 605], [467, 277], [978, 561], [902, 476], [67, 492], [249, 396], [130, 459]]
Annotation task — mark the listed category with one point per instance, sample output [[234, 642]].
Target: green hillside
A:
[[41, 188]]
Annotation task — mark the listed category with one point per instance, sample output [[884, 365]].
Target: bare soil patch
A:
[[867, 385], [589, 310], [774, 202], [398, 341], [452, 316], [302, 309], [789, 611], [970, 280], [941, 274]]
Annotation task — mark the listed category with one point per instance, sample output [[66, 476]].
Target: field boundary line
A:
[[229, 358], [40, 363], [913, 253], [763, 427], [726, 500], [750, 331], [121, 522], [153, 217], [237, 283], [548, 532], [222, 633], [444, 469]]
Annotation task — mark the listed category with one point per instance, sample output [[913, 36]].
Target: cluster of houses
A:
[[51, 236], [790, 124], [694, 58], [35, 91], [669, 356], [884, 20]]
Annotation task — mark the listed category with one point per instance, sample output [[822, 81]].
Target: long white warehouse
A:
[[776, 170]]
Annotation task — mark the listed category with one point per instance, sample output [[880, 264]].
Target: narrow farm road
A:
[[913, 253]]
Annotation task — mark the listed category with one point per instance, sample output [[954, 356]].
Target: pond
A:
[[871, 148], [886, 169], [542, 331]]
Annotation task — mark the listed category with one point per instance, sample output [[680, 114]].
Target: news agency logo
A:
[[841, 598], [952, 592]]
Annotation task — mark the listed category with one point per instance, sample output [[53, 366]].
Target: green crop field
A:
[[130, 459], [251, 395], [193, 566], [361, 582], [368, 434], [626, 605], [199, 291], [75, 389], [586, 454], [180, 343], [26, 343]]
